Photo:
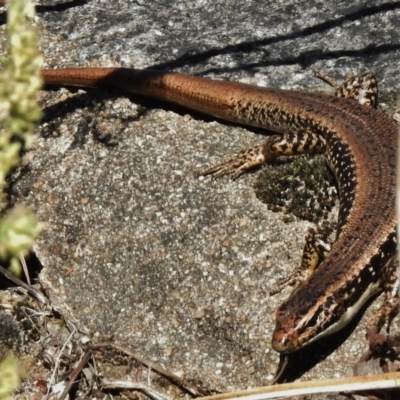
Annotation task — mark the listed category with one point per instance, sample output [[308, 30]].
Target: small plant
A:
[[11, 373], [19, 113]]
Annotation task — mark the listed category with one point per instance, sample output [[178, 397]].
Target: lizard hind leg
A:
[[290, 144], [237, 165], [390, 281], [383, 346]]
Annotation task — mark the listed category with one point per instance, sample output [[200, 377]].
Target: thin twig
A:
[[25, 268], [58, 362], [180, 381], [75, 374], [127, 384], [349, 384], [33, 292], [283, 363]]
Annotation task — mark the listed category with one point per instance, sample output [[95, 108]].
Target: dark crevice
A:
[[41, 9], [34, 267]]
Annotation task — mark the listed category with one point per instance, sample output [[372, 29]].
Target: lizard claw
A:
[[238, 165]]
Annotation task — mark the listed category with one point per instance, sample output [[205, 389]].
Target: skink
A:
[[360, 145]]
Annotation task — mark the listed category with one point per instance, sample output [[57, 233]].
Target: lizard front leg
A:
[[291, 144]]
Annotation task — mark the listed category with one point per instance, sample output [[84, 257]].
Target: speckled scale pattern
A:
[[361, 146], [343, 164]]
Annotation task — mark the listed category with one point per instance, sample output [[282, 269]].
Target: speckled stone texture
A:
[[136, 246]]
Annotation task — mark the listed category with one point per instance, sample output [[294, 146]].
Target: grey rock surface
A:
[[136, 247]]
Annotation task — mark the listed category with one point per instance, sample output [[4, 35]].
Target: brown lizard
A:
[[360, 145]]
